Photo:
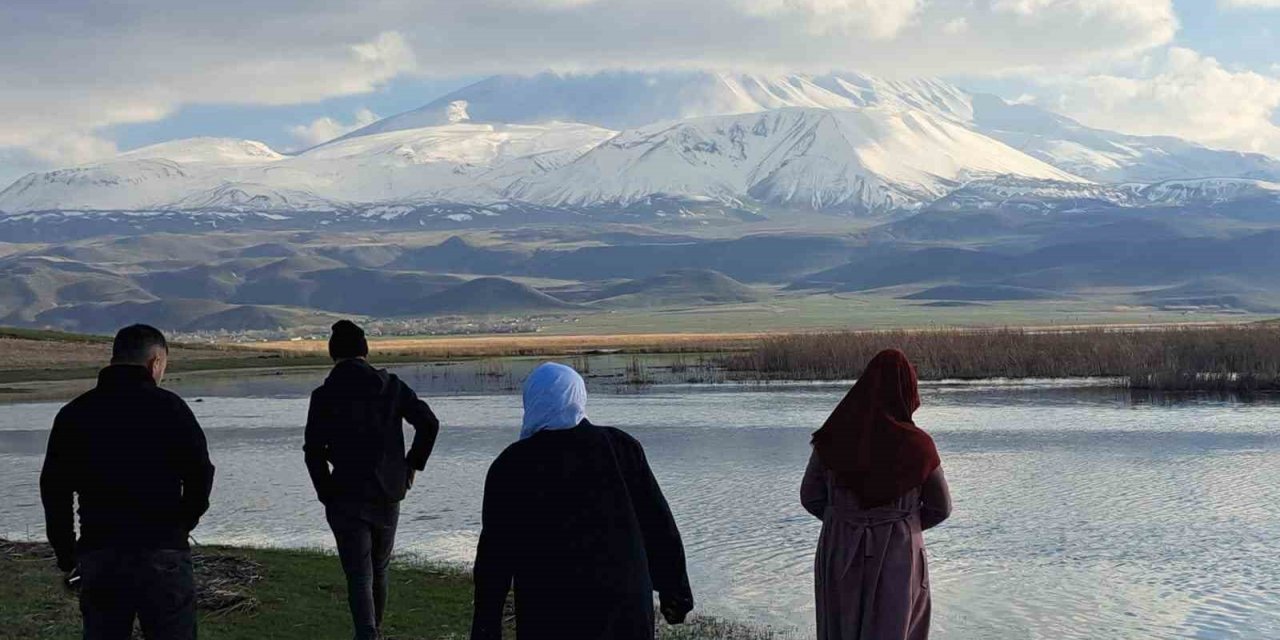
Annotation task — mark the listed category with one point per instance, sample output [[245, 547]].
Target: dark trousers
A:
[[365, 535], [155, 586]]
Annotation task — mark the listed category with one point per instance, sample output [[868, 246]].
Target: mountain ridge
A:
[[511, 149]]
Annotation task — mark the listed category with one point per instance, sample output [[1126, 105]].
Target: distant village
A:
[[397, 327]]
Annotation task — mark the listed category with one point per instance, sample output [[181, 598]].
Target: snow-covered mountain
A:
[[839, 142], [623, 100], [1046, 195], [1107, 156], [626, 100], [459, 162], [866, 160]]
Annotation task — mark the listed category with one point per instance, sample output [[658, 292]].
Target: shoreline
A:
[[54, 367]]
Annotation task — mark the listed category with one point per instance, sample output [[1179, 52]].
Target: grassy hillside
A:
[[1027, 269], [483, 296], [680, 288]]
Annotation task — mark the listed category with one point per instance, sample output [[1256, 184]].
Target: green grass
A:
[[873, 311], [300, 595]]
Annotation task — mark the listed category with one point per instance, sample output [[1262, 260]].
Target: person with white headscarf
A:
[[574, 521]]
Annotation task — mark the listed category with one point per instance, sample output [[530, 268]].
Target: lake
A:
[[1080, 512]]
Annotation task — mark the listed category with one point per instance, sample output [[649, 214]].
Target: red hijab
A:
[[870, 442]]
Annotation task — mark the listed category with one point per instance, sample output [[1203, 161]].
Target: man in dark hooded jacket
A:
[[356, 456], [136, 461]]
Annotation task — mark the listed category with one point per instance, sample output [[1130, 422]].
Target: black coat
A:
[[356, 424], [575, 521], [136, 458]]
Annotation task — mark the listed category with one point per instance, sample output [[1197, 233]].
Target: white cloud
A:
[[71, 70], [879, 19], [1184, 94], [326, 128], [955, 26]]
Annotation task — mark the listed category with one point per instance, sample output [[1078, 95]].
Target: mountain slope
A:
[[629, 99], [623, 100], [868, 160], [1108, 156], [680, 288], [461, 162], [483, 296]]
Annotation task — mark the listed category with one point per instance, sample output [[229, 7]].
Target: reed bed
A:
[[1225, 358]]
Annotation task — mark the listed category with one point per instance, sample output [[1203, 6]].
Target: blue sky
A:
[[274, 70]]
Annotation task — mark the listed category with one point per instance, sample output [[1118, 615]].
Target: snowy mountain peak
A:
[[206, 150], [868, 160], [620, 100]]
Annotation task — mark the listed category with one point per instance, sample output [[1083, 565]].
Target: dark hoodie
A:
[[355, 425]]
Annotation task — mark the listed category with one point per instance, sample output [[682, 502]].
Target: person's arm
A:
[[315, 448], [935, 500], [493, 570], [194, 467], [426, 427], [56, 493], [667, 567], [813, 489]]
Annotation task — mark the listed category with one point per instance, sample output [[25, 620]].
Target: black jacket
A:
[[356, 424], [575, 522], [137, 459]]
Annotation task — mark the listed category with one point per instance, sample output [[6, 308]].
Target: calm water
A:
[[1079, 513]]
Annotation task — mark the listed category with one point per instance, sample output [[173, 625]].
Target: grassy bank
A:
[[34, 355], [256, 594], [1228, 358]]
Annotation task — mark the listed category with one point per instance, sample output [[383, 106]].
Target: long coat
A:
[[870, 573], [574, 521]]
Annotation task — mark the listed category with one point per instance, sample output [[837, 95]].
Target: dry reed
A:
[[1233, 358]]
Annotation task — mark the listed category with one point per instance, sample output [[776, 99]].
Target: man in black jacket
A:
[[355, 454], [137, 460]]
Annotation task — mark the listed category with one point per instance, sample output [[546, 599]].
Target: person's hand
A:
[[674, 610], [408, 479]]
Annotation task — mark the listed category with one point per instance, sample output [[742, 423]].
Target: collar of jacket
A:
[[125, 375]]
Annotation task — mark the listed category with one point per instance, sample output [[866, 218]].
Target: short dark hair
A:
[[347, 341], [135, 343]]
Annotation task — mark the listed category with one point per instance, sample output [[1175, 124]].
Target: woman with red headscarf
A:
[[876, 482]]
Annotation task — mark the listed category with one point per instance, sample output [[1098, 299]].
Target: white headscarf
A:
[[555, 397]]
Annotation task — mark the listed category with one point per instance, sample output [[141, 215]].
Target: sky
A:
[[81, 80]]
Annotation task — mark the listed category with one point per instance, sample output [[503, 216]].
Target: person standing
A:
[[875, 480], [574, 520], [355, 453], [135, 457]]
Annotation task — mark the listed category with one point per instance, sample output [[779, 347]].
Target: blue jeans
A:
[[154, 585], [365, 535]]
